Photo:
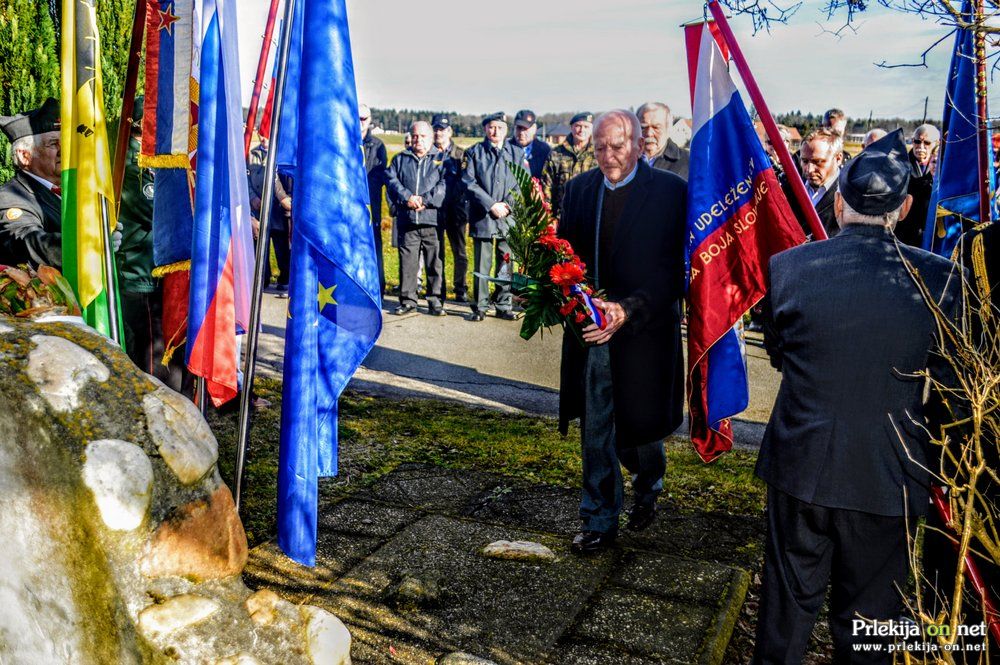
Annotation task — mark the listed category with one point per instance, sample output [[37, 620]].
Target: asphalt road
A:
[[484, 364]]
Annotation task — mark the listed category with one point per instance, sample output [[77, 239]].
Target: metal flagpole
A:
[[128, 99], [785, 157], [267, 201], [258, 81], [109, 275]]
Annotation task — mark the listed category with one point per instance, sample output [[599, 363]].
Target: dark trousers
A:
[[414, 241], [142, 316], [283, 255], [602, 496], [484, 251], [863, 556], [455, 234], [377, 231]]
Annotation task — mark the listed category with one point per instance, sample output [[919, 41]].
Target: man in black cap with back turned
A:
[[31, 204], [846, 325], [453, 217], [535, 152]]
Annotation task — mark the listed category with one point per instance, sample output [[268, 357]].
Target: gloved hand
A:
[[116, 237]]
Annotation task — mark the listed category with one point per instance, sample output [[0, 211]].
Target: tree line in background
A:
[[29, 72], [29, 57]]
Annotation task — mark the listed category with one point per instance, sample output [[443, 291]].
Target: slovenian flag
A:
[[334, 306], [738, 217], [222, 246]]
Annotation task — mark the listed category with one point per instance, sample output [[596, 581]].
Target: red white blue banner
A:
[[166, 123], [738, 218], [222, 245]]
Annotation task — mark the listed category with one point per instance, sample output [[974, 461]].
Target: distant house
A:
[[557, 134]]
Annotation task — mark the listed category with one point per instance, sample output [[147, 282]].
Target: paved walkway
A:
[[484, 364], [400, 563]]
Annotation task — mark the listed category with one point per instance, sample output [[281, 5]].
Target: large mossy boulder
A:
[[121, 543]]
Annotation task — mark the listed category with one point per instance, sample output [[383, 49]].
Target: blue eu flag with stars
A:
[[334, 314]]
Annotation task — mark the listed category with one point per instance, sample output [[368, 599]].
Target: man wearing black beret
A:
[[31, 204], [490, 184], [846, 325], [569, 159], [453, 218], [536, 152]]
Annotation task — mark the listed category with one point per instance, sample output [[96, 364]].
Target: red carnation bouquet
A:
[[551, 280]]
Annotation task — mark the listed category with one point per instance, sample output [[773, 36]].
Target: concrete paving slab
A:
[[507, 611], [427, 487]]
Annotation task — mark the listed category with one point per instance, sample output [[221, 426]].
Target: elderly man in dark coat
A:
[[840, 482], [489, 185], [31, 204], [922, 155], [626, 220], [659, 150]]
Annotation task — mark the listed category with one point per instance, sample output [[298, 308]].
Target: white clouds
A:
[[561, 55]]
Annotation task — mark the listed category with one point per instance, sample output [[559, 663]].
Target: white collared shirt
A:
[[816, 194], [48, 185], [624, 181]]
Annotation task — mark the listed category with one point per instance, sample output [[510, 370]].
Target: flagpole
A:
[[981, 110], [267, 201], [110, 292], [785, 157], [128, 99], [258, 81]]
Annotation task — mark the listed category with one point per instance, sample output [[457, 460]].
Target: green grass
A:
[[378, 434]]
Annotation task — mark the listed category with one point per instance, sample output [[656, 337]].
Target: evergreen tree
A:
[[29, 57]]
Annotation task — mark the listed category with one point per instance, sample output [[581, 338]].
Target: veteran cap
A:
[[525, 118], [440, 121], [37, 121], [499, 116], [874, 183], [586, 116]]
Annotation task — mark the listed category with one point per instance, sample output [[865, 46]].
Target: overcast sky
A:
[[568, 55]]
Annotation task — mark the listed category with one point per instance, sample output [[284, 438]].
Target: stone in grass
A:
[[60, 369], [519, 550], [121, 477], [181, 434], [327, 638], [462, 658], [175, 613]]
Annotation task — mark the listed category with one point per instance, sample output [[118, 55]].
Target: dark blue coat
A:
[[489, 180], [409, 175], [847, 327]]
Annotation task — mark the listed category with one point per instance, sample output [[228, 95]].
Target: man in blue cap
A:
[[31, 203], [536, 152], [845, 452]]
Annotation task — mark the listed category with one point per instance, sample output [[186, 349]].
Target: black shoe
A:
[[461, 297], [404, 309], [640, 516], [437, 311], [591, 542], [508, 315], [477, 316], [281, 288]]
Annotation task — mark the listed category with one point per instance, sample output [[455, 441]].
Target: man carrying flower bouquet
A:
[[626, 384]]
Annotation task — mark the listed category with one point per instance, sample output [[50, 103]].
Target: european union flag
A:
[[954, 204], [335, 308]]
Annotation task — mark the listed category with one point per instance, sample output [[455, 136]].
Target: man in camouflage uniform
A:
[[568, 160]]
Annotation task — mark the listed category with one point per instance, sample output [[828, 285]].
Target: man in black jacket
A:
[[31, 204], [821, 157], [375, 165], [490, 184], [627, 222], [844, 454], [658, 149], [535, 151], [416, 186], [453, 218], [925, 143]]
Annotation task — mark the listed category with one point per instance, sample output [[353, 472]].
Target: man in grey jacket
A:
[[490, 185], [416, 186]]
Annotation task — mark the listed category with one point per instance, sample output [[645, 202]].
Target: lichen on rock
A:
[[121, 478]]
